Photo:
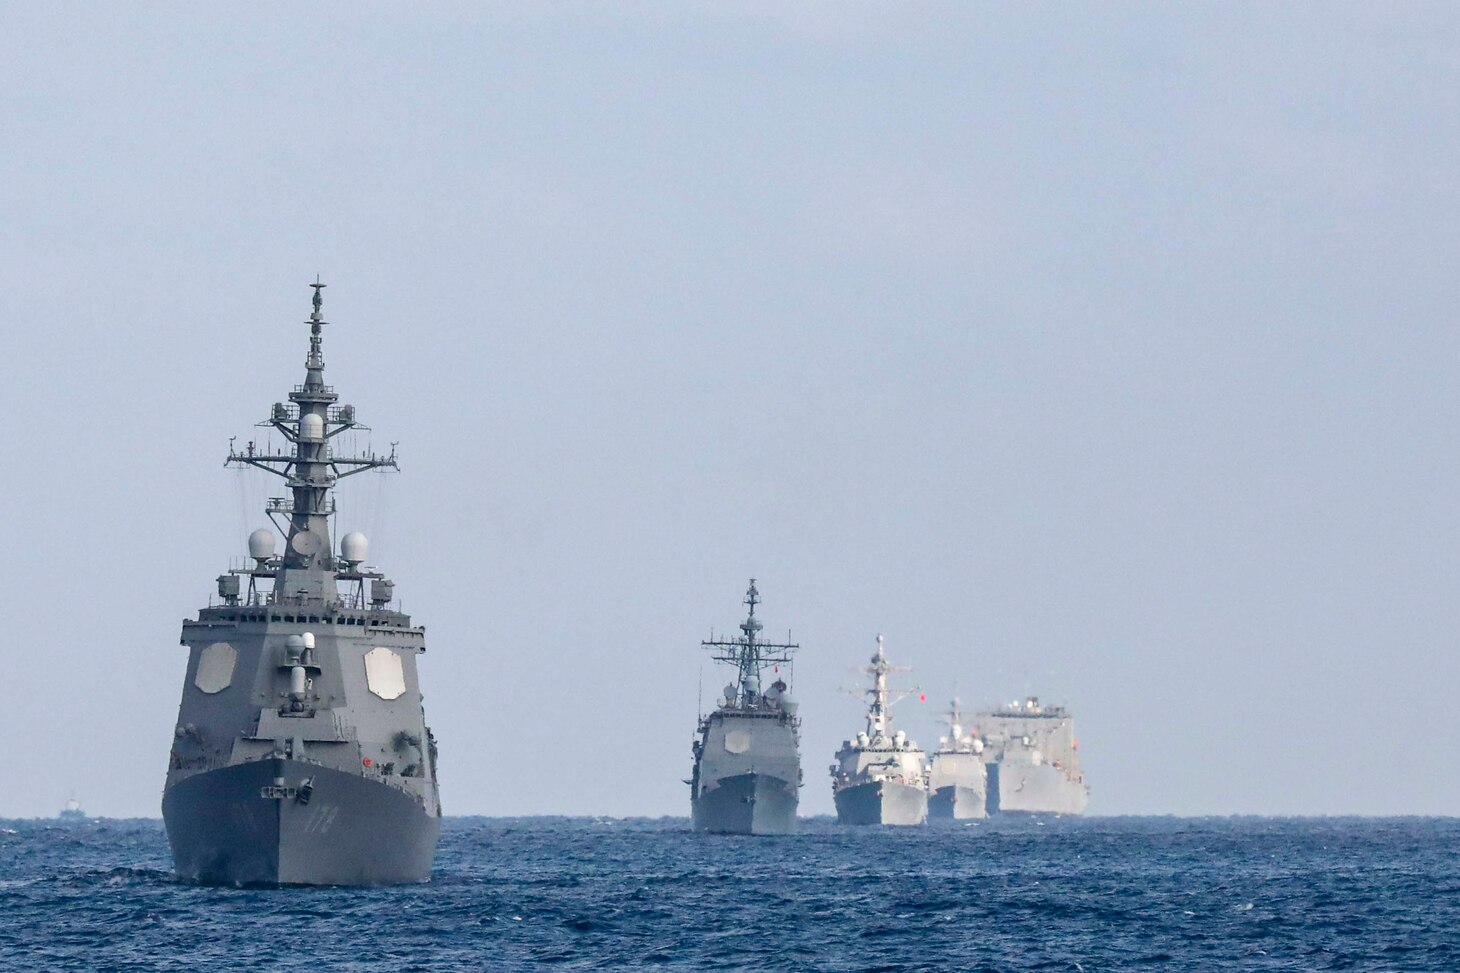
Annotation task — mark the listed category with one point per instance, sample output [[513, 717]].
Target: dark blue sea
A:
[[588, 894]]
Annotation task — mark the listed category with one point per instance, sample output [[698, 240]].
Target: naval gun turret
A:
[[301, 753], [747, 761], [878, 776]]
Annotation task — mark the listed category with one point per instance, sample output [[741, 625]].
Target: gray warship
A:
[[878, 775], [301, 754], [1033, 760], [747, 762], [956, 775]]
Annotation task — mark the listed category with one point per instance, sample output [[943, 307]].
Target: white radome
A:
[[261, 544], [354, 547], [311, 427]]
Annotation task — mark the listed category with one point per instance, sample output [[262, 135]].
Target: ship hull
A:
[[956, 803], [349, 830], [1029, 789], [747, 804], [882, 802]]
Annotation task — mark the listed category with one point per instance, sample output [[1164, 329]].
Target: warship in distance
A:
[[1033, 760], [956, 775], [747, 762], [301, 754], [878, 775]]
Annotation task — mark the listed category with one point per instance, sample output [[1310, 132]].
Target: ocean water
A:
[[598, 894]]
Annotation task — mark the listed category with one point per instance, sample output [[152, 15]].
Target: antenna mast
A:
[[309, 422], [879, 713], [748, 654]]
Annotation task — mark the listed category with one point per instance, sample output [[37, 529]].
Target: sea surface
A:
[[603, 894]]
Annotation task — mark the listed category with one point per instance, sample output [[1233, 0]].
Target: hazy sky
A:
[[1102, 352]]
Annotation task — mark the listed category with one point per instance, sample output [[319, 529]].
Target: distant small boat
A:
[[72, 811]]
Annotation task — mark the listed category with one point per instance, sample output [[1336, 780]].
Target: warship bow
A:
[[1033, 760], [878, 776], [957, 780], [301, 753], [747, 763]]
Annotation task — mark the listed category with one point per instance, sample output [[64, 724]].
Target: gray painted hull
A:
[[1027, 789], [955, 803], [747, 804], [881, 802], [352, 831]]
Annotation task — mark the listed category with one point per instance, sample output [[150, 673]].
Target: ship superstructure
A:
[[878, 775], [1033, 759], [956, 775], [301, 753], [747, 761]]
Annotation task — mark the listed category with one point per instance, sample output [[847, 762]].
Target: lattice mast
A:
[[880, 698], [306, 571], [748, 654]]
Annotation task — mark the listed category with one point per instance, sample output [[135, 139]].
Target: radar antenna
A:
[[879, 697], [748, 654], [310, 422]]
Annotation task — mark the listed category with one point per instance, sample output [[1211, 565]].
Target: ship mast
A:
[[880, 698], [306, 572], [955, 719], [749, 654]]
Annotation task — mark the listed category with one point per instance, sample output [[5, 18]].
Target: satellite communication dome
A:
[[261, 544], [311, 427], [294, 648], [354, 547]]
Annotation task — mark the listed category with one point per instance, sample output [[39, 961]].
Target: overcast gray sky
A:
[[1103, 352]]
